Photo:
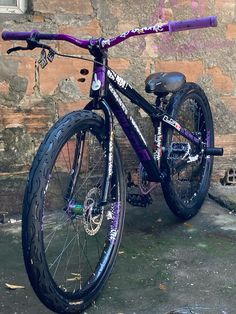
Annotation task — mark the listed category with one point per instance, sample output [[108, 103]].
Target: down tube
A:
[[134, 135]]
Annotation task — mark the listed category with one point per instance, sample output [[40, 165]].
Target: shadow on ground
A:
[[164, 266]]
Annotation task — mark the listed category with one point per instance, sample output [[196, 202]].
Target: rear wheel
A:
[[70, 241], [186, 189]]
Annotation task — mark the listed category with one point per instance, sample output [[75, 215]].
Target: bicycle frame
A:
[[104, 87], [106, 82]]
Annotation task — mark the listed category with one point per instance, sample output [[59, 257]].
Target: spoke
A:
[[98, 246], [96, 159], [79, 262], [70, 168], [87, 177], [58, 258], [58, 227], [54, 194], [59, 182], [62, 152], [67, 263], [78, 239]]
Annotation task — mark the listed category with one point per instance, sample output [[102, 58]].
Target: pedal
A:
[[214, 151], [139, 200]]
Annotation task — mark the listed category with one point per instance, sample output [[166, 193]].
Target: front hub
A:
[[88, 212]]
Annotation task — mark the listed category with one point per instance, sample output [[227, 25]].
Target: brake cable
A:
[[33, 43]]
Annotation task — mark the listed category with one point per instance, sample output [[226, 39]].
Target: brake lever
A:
[[16, 49], [31, 44]]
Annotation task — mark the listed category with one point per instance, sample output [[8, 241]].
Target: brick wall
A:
[[32, 99]]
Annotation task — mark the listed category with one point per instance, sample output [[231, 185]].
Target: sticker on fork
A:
[[115, 222]]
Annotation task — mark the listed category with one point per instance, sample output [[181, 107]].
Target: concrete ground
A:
[[164, 266]]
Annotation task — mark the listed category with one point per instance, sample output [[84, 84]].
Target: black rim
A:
[[188, 182], [79, 241]]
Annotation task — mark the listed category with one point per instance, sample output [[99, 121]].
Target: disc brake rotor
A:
[[92, 222]]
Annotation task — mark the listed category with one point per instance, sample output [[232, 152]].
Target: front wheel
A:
[[70, 239], [185, 190]]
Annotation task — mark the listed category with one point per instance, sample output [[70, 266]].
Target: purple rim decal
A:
[[115, 222]]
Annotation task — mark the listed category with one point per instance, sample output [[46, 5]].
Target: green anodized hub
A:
[[78, 209]]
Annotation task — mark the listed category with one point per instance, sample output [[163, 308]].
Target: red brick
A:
[[151, 49], [119, 64], [193, 70], [117, 10], [163, 13], [38, 120], [38, 19], [225, 4], [11, 116], [166, 14], [26, 69], [65, 158], [148, 68], [222, 83], [221, 164], [227, 141], [61, 6], [72, 106], [126, 26], [4, 87], [217, 173], [67, 48], [181, 3], [4, 45], [63, 68], [230, 102], [231, 31], [91, 29], [225, 10]]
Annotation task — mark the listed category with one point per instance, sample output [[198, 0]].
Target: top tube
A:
[[172, 26]]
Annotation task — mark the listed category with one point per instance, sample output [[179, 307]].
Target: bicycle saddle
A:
[[164, 82]]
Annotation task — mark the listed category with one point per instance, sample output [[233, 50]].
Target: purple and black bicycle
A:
[[74, 203]]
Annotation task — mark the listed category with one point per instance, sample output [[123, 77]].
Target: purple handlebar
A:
[[13, 35], [37, 35], [210, 21]]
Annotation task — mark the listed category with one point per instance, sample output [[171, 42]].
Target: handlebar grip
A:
[[210, 21], [18, 35]]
